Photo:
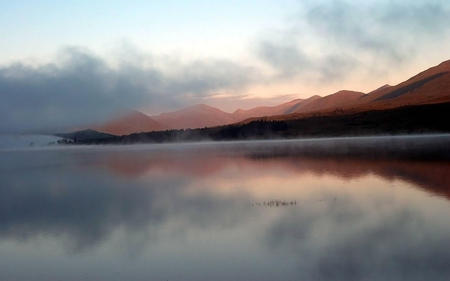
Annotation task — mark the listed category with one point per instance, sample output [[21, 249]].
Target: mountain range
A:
[[428, 87]]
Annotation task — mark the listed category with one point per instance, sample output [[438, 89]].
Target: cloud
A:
[[81, 88], [327, 40], [324, 43]]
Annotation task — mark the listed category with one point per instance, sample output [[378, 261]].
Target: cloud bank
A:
[[328, 40], [81, 88], [323, 42]]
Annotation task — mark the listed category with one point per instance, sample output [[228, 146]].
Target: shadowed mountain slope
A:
[[427, 87], [331, 102]]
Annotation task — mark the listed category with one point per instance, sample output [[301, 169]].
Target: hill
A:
[[428, 87], [419, 119], [133, 122], [197, 116], [331, 102], [85, 136]]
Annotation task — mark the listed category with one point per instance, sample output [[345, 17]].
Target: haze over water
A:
[[266, 210]]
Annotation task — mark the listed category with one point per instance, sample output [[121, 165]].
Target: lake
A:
[[370, 208]]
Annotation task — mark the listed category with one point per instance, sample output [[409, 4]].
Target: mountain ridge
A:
[[132, 122], [429, 86]]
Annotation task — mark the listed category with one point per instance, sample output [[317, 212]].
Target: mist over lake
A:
[[370, 208], [264, 140]]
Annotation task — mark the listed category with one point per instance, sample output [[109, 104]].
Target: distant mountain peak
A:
[[132, 122], [429, 86], [201, 107], [346, 93], [295, 100], [385, 86], [195, 116], [445, 63]]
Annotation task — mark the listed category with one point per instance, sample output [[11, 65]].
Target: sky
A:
[[67, 63]]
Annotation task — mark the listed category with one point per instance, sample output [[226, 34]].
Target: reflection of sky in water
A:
[[171, 214]]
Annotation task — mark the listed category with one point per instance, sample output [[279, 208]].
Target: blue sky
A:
[[194, 28], [86, 60]]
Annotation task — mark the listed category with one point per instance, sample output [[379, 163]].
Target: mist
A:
[[331, 41], [319, 45], [80, 88], [154, 208]]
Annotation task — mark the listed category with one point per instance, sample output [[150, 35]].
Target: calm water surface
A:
[[227, 211]]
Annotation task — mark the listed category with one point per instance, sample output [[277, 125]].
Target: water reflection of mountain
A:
[[432, 176], [354, 217]]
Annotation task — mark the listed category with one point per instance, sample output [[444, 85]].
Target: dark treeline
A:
[[433, 118]]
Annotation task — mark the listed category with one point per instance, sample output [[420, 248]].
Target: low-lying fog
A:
[[368, 208], [26, 141]]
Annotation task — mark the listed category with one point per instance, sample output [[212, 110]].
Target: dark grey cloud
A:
[[290, 60], [327, 40], [287, 58], [81, 88]]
